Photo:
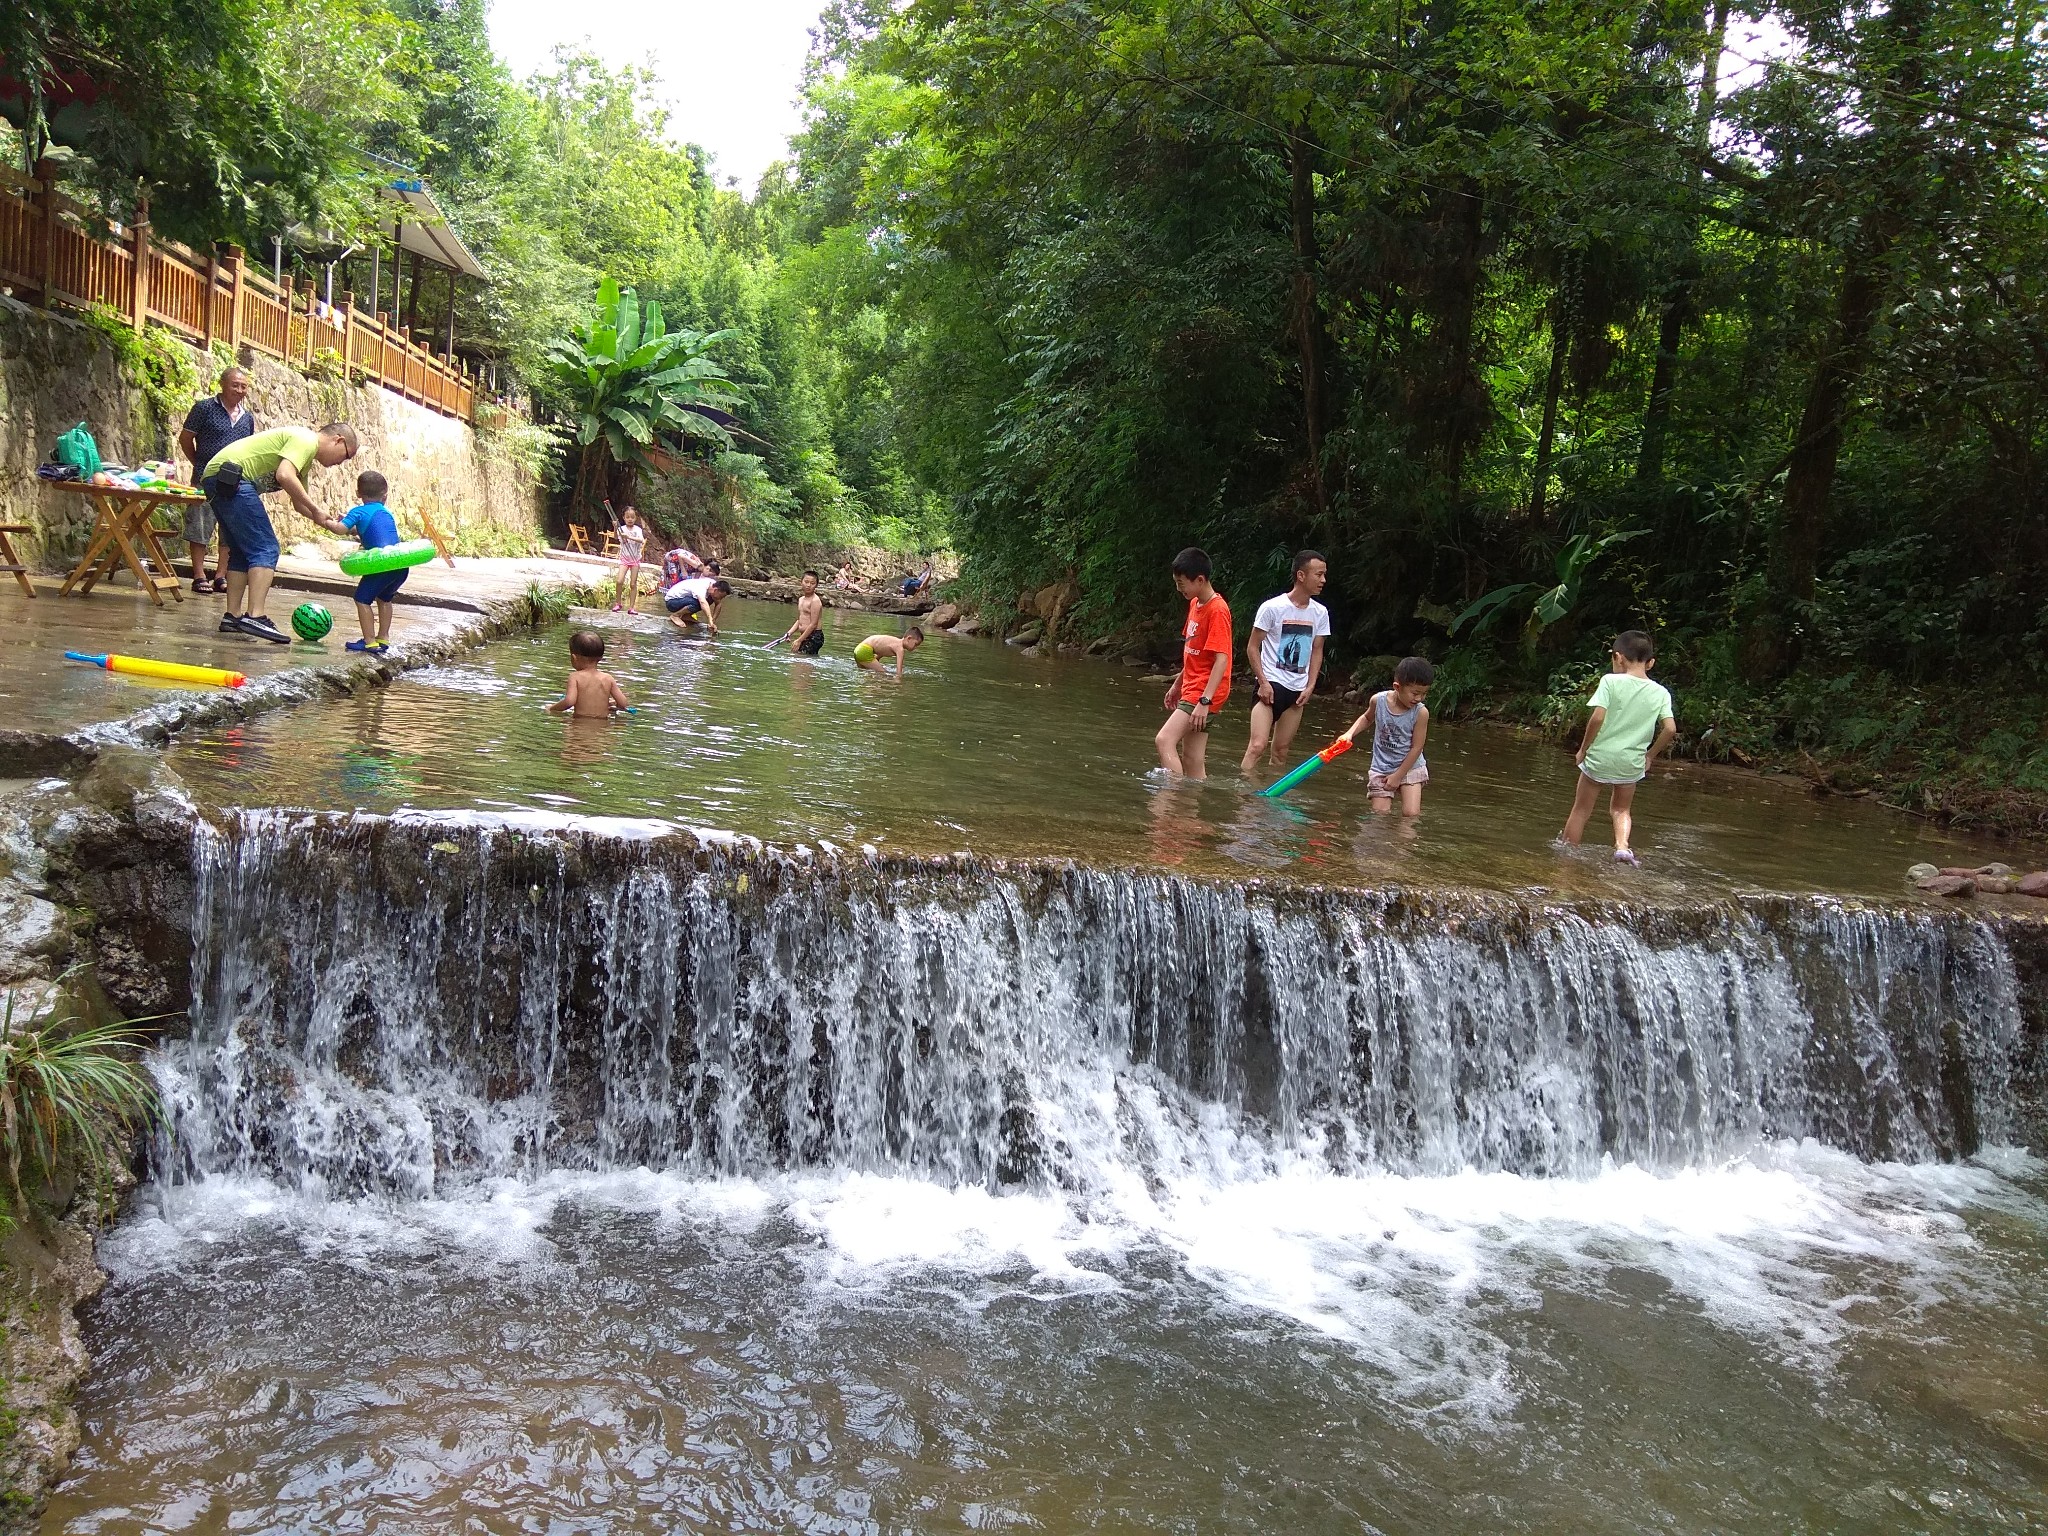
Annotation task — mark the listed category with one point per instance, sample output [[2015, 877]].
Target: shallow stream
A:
[[980, 747], [530, 1171]]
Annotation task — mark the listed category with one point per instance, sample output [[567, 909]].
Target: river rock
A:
[[2000, 871], [2035, 884], [1050, 603], [32, 931], [1946, 884], [1918, 872], [1997, 885], [971, 625], [945, 616], [1028, 635]]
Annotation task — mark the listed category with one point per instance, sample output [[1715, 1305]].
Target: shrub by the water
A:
[[70, 1091], [541, 605]]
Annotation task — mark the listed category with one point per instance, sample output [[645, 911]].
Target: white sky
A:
[[728, 72]]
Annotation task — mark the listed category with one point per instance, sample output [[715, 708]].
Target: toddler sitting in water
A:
[[592, 693]]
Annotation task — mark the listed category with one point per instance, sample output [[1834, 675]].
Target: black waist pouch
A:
[[225, 481]]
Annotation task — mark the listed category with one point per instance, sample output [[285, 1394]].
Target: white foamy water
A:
[[516, 1168], [1797, 1250]]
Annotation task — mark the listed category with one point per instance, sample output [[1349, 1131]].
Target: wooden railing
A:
[[47, 249]]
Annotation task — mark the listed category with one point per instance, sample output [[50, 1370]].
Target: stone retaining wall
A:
[[56, 371]]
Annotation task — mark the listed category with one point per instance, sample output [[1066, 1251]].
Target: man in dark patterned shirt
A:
[[210, 426]]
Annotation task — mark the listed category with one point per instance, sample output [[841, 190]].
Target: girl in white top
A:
[[632, 544]]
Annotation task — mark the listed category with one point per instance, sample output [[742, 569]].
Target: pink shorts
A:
[[628, 565], [1381, 786]]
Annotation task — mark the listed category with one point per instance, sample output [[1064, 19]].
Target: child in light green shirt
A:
[[1630, 725]]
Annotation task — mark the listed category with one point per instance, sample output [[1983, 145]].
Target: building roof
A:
[[421, 226]]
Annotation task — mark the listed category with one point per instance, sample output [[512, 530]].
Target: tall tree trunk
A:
[[1553, 387], [1810, 467], [1796, 542], [1309, 331], [1663, 379], [1678, 303], [1468, 406]]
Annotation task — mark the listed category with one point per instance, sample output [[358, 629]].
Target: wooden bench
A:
[[10, 562]]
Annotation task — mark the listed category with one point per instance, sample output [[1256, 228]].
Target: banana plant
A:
[[1552, 603], [630, 380]]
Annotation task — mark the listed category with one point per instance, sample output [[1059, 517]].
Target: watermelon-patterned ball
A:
[[311, 622]]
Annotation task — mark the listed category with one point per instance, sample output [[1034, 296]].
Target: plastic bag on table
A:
[[77, 448]]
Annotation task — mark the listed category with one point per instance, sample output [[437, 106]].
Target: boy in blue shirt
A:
[[371, 521]]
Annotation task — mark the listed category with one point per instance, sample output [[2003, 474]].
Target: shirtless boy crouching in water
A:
[[872, 652], [592, 693]]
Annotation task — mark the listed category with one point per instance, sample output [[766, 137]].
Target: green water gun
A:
[[1333, 751]]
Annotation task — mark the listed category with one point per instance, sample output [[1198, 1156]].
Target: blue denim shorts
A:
[[245, 528]]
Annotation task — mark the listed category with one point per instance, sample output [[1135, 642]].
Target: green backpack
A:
[[77, 448]]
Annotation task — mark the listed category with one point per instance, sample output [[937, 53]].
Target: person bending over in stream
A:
[[1193, 698], [876, 649], [1630, 725], [592, 693], [696, 600], [807, 635], [236, 480]]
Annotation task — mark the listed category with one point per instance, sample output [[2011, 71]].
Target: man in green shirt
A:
[[236, 480]]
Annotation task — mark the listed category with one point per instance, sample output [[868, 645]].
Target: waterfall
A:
[[408, 1005]]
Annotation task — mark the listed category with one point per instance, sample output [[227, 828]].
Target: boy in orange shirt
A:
[[1204, 682]]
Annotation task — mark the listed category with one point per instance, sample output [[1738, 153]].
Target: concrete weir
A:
[[411, 1006]]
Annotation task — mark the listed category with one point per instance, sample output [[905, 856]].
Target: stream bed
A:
[[535, 1165]]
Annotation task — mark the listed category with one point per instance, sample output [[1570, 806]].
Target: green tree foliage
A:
[[631, 383], [239, 117], [1460, 293]]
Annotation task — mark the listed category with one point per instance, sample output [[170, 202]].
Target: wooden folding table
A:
[[125, 533]]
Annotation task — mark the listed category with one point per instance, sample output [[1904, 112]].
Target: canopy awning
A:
[[420, 226]]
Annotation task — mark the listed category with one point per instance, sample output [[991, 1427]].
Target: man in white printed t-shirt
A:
[[1286, 655]]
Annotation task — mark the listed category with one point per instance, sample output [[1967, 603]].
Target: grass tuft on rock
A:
[[71, 1092]]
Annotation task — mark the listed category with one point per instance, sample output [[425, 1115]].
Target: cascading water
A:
[[520, 1173], [410, 1005]]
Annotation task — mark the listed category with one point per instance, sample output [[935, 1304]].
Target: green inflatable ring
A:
[[392, 557]]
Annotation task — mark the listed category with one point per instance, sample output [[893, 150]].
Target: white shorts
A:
[[1381, 786]]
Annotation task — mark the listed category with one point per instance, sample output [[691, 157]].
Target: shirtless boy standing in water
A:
[[807, 635], [592, 693]]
